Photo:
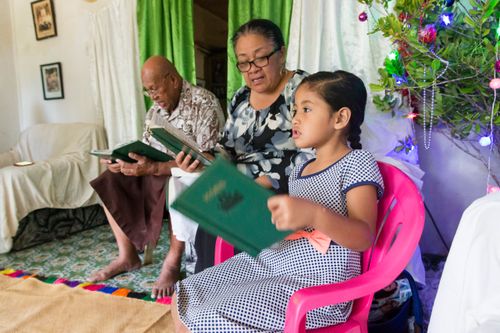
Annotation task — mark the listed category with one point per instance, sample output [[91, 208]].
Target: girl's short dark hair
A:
[[263, 27], [342, 89]]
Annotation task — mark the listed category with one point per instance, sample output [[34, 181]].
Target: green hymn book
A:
[[229, 204], [121, 152], [176, 141]]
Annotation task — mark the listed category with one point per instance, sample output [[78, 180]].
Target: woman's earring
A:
[[282, 70]]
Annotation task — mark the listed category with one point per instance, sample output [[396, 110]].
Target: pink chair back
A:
[[400, 223]]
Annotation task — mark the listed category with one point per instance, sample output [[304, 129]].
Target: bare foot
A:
[[164, 285], [114, 268]]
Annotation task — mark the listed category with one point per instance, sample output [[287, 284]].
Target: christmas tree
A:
[[444, 66]]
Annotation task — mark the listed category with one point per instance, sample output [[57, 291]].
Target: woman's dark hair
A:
[[342, 89], [263, 27]]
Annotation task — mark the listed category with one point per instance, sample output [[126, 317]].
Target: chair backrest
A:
[[399, 226]]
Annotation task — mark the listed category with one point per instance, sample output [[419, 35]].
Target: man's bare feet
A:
[[164, 285], [114, 268]]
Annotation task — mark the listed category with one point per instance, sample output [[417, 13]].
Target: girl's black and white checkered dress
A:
[[246, 294]]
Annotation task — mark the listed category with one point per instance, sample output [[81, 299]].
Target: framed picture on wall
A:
[[44, 19], [52, 81]]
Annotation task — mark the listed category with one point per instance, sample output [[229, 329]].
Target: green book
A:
[[176, 141], [229, 204], [138, 147]]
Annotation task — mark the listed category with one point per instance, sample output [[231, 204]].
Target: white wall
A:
[[453, 180], [9, 120], [69, 47]]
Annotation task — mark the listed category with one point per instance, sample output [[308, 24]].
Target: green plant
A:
[[454, 63]]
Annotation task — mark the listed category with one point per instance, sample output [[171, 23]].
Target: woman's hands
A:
[[186, 162]]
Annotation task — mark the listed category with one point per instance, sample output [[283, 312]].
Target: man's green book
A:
[[229, 204], [121, 152], [176, 141]]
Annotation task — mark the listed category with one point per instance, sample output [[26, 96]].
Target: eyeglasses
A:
[[153, 92], [149, 93], [259, 62]]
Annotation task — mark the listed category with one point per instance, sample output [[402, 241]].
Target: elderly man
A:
[[134, 194]]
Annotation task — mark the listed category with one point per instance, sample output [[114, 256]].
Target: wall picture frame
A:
[[44, 19], [52, 81]]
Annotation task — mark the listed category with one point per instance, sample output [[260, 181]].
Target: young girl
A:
[[332, 206]]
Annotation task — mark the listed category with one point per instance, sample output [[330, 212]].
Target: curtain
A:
[[114, 66], [327, 35], [241, 11], [166, 28]]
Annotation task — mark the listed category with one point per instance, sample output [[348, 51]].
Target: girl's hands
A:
[[290, 213]]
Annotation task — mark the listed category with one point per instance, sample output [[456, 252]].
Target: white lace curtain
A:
[[115, 70]]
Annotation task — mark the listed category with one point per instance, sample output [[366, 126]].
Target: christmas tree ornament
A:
[[428, 34], [449, 3], [403, 16], [363, 17], [403, 49], [497, 66], [427, 129]]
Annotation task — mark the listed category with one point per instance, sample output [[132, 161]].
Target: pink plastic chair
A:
[[400, 223]]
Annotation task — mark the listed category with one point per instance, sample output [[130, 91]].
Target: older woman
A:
[[257, 133]]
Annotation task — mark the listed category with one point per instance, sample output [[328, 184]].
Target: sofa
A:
[[56, 184]]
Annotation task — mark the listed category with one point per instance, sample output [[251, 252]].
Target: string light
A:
[[485, 141], [399, 79], [411, 115], [393, 55], [495, 84], [446, 19]]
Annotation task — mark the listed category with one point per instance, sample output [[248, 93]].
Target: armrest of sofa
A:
[[8, 158]]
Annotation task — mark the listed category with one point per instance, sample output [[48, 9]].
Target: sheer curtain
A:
[[241, 11], [115, 73], [327, 35], [166, 28]]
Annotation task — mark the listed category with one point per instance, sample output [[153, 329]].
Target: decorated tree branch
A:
[[444, 65]]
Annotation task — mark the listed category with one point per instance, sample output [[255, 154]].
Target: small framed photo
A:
[[52, 81], [44, 19]]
